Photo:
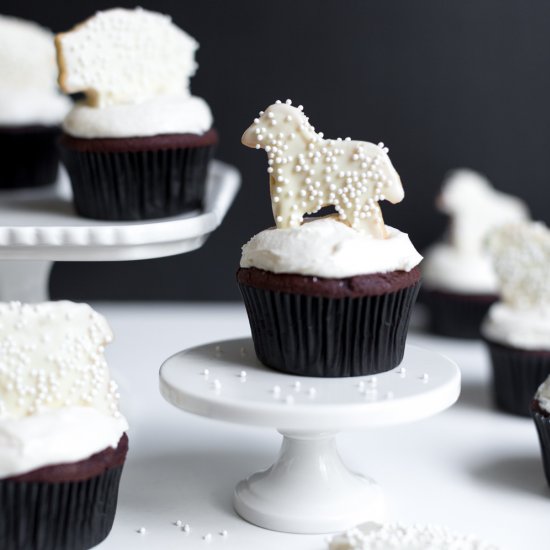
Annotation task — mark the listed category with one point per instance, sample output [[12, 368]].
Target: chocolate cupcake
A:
[[517, 328], [31, 107], [331, 296], [459, 282], [135, 147], [540, 410], [63, 440]]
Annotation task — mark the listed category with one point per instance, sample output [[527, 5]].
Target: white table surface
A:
[[469, 468]]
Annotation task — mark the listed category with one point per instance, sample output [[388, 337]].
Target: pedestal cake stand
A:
[[39, 226], [308, 489]]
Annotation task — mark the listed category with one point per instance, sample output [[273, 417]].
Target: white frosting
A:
[[518, 328], [30, 107], [123, 56], [462, 265], [447, 268], [58, 436], [543, 395], [28, 87], [308, 172], [168, 114], [394, 536], [328, 248], [52, 365]]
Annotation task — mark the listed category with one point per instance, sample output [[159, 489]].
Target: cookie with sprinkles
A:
[[517, 327], [62, 437], [307, 171], [328, 296]]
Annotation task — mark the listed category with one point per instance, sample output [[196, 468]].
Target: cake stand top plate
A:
[[40, 224], [424, 384]]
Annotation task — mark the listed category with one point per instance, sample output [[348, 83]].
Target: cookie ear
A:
[[521, 259], [125, 56]]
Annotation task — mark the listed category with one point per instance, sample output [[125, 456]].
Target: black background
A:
[[443, 84]]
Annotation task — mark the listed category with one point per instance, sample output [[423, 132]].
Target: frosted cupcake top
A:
[[521, 259], [134, 67], [325, 247], [394, 536], [461, 264], [308, 172], [28, 87], [57, 401]]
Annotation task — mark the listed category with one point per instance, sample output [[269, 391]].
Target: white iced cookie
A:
[[52, 356], [475, 208], [28, 82], [308, 172], [394, 536], [58, 403], [124, 56], [521, 259]]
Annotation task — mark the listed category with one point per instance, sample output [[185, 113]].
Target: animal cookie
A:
[[125, 56], [394, 536], [521, 259], [308, 172], [475, 207]]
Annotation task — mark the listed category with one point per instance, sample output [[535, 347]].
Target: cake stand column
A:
[[24, 280], [309, 489]]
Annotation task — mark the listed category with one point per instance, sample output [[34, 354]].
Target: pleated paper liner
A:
[[517, 374], [542, 423], [74, 515], [329, 337], [456, 315], [137, 185], [29, 156]]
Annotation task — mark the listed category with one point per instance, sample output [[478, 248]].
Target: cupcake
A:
[[31, 107], [328, 296], [138, 145], [459, 282], [540, 410], [517, 328], [62, 439], [396, 536]]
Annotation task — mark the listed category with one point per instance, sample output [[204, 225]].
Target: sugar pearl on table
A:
[[142, 531], [186, 528], [207, 537]]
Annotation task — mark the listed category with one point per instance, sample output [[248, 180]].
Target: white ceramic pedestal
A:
[[308, 489], [39, 226]]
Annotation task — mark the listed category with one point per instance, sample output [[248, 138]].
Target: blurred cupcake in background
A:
[[31, 106], [517, 328], [138, 145], [459, 281], [540, 410]]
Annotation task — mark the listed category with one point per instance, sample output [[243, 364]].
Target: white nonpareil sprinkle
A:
[[186, 528], [395, 536], [224, 533], [207, 537], [308, 172], [142, 531]]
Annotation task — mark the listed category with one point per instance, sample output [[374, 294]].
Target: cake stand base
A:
[[308, 490], [24, 280]]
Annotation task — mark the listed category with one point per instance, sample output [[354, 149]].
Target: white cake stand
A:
[[39, 226], [308, 489]]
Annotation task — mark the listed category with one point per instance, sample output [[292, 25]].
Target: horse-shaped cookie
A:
[[308, 172]]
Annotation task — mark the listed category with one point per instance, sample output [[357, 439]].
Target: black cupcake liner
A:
[[74, 515], [517, 374], [542, 423], [329, 337], [29, 156], [137, 185], [456, 315]]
